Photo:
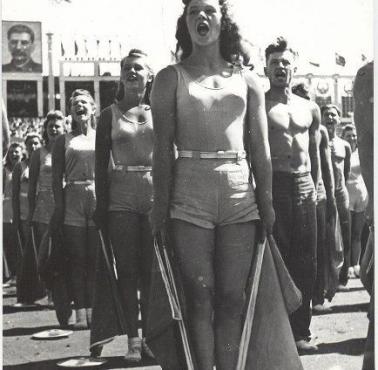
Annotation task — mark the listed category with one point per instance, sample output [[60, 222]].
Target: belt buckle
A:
[[196, 155], [240, 156]]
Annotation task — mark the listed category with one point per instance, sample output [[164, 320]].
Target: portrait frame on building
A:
[[22, 47]]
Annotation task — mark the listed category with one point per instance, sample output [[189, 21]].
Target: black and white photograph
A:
[[188, 184], [22, 47]]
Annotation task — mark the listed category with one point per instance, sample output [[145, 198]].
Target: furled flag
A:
[[86, 47], [340, 60], [76, 48], [62, 51]]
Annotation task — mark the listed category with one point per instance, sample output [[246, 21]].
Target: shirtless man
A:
[[325, 209], [340, 154], [293, 130]]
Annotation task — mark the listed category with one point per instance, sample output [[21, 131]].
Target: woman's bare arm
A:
[[163, 106], [102, 154], [16, 188], [58, 168], [33, 181], [260, 150]]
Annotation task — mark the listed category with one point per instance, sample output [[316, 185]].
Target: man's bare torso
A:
[[289, 134]]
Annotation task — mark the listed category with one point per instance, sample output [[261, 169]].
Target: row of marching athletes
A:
[[205, 204], [50, 191], [19, 206]]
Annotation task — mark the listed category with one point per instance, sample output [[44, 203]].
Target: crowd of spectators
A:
[[21, 126]]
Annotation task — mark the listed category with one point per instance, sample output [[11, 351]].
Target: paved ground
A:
[[340, 336]]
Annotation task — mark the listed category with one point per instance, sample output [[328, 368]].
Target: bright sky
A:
[[316, 28]]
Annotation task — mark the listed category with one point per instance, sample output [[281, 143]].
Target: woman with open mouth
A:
[[212, 109], [73, 162], [124, 200]]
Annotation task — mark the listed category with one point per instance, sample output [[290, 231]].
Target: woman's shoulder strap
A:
[[106, 119], [106, 113]]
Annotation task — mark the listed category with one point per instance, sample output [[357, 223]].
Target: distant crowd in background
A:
[[20, 127]]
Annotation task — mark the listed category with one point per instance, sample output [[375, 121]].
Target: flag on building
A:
[[340, 60], [62, 51], [76, 48], [86, 47]]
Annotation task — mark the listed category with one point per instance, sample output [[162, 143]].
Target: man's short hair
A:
[[21, 28], [280, 46], [330, 106]]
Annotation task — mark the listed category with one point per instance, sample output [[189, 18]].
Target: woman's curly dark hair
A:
[[230, 38]]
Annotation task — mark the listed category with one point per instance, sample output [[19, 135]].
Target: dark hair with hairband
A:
[[136, 53]]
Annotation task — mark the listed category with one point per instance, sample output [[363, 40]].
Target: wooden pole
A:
[[51, 85]]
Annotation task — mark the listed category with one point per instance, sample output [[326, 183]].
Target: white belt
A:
[[80, 182], [120, 167], [220, 154], [44, 188]]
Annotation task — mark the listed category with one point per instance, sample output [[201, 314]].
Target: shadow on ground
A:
[[112, 363], [348, 308], [351, 347], [14, 332], [352, 289], [7, 309]]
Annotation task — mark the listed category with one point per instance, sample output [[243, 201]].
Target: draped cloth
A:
[[272, 344], [334, 257], [30, 288], [54, 270], [105, 317]]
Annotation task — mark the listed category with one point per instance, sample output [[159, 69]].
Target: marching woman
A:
[[358, 199], [73, 160], [213, 111], [13, 156], [124, 200], [29, 287], [40, 195], [41, 203]]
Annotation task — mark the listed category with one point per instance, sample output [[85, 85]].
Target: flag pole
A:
[[51, 85], [173, 298], [250, 313]]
